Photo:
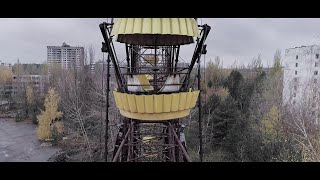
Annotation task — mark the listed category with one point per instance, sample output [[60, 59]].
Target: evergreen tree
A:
[[240, 90], [233, 83], [210, 84], [223, 120]]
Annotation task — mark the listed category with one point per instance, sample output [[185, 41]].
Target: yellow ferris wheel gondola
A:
[[150, 33], [146, 91], [154, 85]]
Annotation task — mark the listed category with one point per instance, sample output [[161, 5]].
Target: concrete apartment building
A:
[[39, 83], [7, 66], [301, 77], [65, 56]]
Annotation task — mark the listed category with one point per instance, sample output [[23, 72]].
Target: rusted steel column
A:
[[180, 144], [115, 159]]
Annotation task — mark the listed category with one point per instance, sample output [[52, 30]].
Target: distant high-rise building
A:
[[7, 66], [301, 76], [65, 56]]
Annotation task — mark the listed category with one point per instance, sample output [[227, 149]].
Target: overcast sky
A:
[[231, 39]]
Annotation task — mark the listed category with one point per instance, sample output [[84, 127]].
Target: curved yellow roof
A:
[[156, 31]]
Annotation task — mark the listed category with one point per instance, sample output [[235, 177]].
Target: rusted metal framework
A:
[[143, 138], [150, 142]]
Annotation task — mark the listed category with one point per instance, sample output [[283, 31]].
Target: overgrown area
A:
[[243, 115], [244, 118]]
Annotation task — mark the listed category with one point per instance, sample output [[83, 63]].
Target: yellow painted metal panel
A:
[[195, 95], [149, 76], [123, 26], [156, 116], [156, 25], [189, 26], [132, 102], [182, 102], [188, 101], [183, 26], [124, 101], [116, 96], [167, 98], [156, 107], [175, 26], [166, 26], [148, 103], [195, 28], [158, 103], [145, 82], [137, 27], [175, 102], [146, 26], [151, 59], [129, 26], [140, 103], [121, 102], [115, 29], [133, 31]]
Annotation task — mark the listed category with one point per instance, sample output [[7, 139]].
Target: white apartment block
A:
[[6, 66], [39, 83], [301, 77], [65, 56]]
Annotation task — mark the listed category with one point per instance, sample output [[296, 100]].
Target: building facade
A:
[[65, 56], [7, 66], [39, 83], [301, 77]]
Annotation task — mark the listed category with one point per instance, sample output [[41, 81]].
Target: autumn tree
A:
[[214, 73], [5, 83], [5, 76], [47, 116]]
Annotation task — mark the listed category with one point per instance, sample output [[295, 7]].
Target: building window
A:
[[296, 64], [294, 94], [316, 64], [315, 72], [296, 56], [317, 56], [296, 72]]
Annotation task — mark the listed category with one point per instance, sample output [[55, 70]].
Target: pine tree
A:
[[210, 84], [224, 118], [240, 90], [233, 83]]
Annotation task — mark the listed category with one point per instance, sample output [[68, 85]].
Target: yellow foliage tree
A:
[[29, 93], [5, 76], [270, 121], [50, 113]]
